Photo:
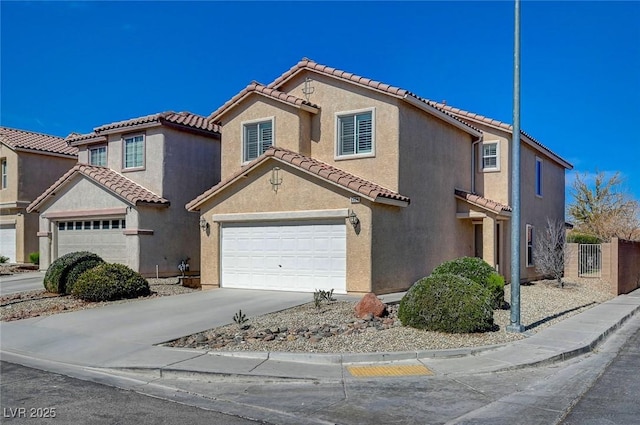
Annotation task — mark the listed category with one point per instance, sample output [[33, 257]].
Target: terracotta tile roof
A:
[[398, 92], [485, 203], [498, 124], [22, 139], [185, 120], [327, 172], [110, 180], [263, 90], [455, 113], [75, 139]]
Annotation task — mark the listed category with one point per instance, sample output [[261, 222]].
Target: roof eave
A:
[[88, 141], [412, 100], [44, 152]]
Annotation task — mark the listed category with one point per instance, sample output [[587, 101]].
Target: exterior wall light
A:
[[353, 219], [203, 224]]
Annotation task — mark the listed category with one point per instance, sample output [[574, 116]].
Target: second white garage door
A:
[[288, 256], [8, 242], [102, 237]]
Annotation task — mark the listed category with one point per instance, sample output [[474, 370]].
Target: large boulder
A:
[[370, 304]]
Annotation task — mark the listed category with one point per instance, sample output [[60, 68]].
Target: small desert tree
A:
[[603, 208], [549, 250]]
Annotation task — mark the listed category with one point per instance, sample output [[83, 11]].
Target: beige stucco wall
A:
[[29, 174], [179, 166], [298, 192], [290, 128], [336, 97]]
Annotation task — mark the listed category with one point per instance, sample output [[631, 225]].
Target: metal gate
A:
[[590, 260]]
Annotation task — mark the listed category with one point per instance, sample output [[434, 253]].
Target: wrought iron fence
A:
[[590, 260]]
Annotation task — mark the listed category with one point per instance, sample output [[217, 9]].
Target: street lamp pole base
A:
[[513, 328]]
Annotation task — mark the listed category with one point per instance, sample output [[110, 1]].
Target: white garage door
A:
[[288, 256], [8, 242], [102, 237]]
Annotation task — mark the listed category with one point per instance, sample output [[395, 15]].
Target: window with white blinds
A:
[[134, 151], [355, 133], [258, 137]]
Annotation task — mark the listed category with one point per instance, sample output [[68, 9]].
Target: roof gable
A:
[[336, 176], [29, 140], [112, 181], [262, 90]]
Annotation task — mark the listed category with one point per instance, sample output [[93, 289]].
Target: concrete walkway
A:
[[122, 337]]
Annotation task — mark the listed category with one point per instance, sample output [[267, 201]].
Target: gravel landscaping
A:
[[334, 327], [42, 303]]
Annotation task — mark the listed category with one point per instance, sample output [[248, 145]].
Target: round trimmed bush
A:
[[478, 271], [447, 303], [108, 282], [63, 273]]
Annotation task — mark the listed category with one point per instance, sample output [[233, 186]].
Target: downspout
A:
[[473, 164]]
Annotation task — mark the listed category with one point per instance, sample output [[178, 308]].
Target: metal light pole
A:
[[515, 325]]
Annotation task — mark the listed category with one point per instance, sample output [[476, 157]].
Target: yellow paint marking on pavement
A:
[[388, 370]]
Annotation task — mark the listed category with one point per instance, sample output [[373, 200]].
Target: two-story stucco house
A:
[[335, 181], [124, 199], [30, 163]]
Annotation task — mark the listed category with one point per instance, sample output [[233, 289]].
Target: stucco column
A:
[[45, 243], [489, 240]]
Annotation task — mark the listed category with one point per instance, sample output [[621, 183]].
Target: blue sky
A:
[[71, 66]]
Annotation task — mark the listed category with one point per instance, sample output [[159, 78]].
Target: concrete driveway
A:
[[112, 334], [20, 282]]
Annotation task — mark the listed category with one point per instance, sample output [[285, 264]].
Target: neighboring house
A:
[[124, 200], [30, 162], [335, 181]]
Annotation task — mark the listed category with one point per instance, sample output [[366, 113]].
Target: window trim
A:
[[529, 244], [258, 121], [539, 186], [482, 156], [124, 151], [337, 115], [96, 147], [4, 165]]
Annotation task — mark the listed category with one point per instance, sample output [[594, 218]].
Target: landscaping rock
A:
[[370, 304]]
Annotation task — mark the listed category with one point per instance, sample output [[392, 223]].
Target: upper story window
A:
[[490, 156], [355, 133], [538, 176], [98, 156], [134, 151], [257, 138], [5, 178]]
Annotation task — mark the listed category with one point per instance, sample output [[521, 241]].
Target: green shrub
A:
[[3, 259], [63, 272], [447, 303], [478, 271], [575, 237], [108, 282], [34, 258]]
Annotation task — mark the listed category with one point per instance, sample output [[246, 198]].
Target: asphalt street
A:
[[32, 396], [20, 282], [615, 397]]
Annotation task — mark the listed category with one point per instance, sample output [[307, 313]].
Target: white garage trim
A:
[[287, 215], [293, 255], [8, 242]]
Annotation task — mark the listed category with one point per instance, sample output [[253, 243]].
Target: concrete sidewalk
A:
[[121, 338]]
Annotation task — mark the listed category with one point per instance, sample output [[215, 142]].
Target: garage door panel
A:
[[294, 256], [109, 245], [8, 242]]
